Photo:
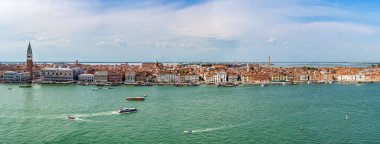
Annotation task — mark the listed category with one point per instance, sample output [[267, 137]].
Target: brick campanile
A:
[[29, 61]]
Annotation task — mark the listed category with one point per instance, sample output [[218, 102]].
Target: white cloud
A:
[[237, 28]]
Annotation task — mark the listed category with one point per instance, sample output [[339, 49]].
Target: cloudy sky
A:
[[194, 30]]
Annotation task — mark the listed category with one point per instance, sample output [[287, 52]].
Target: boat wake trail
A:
[[95, 114], [215, 128], [208, 129], [84, 120]]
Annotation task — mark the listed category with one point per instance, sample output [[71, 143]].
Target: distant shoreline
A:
[[202, 84], [274, 64]]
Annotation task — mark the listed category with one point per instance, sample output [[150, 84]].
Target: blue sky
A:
[[193, 30]]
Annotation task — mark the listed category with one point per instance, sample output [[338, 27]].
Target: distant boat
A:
[[188, 131], [25, 86], [127, 110], [144, 84], [347, 116], [71, 118], [228, 84], [135, 98], [104, 88]]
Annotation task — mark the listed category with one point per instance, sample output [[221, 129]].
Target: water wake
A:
[[208, 129], [214, 129], [95, 114]]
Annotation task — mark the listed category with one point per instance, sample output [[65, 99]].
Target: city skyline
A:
[[190, 31]]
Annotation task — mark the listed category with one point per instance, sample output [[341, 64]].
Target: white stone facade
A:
[[57, 75], [101, 77], [86, 78]]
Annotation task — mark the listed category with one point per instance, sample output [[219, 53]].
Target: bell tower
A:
[[29, 61]]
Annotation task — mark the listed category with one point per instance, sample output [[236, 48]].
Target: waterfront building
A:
[[208, 77], [360, 77], [130, 77], [1, 74], [191, 78], [144, 76], [304, 77], [12, 76], [346, 77], [255, 78], [244, 78], [29, 61], [281, 78], [57, 75], [167, 77], [326, 76], [115, 77], [220, 77], [89, 78], [77, 71], [101, 77], [232, 78]]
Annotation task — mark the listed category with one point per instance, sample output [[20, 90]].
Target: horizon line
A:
[[189, 62]]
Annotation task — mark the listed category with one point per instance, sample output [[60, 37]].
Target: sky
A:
[[191, 30]]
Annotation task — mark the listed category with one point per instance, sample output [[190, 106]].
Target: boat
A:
[[71, 118], [25, 86], [227, 84], [127, 110], [188, 131], [135, 98], [144, 84], [9, 88]]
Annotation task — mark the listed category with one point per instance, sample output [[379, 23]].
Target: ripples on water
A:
[[244, 114]]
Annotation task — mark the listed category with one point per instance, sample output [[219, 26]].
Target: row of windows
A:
[[48, 73]]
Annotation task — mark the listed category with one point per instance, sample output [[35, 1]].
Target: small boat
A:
[[83, 84], [127, 110], [135, 98], [188, 131], [228, 84], [9, 88], [71, 118], [25, 86]]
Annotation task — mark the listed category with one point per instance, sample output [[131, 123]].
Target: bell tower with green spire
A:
[[29, 61]]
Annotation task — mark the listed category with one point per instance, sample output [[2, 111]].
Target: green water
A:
[[243, 114]]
